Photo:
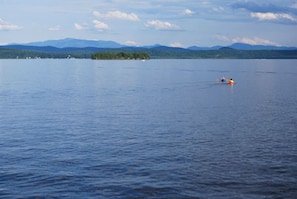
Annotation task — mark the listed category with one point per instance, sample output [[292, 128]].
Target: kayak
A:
[[231, 82]]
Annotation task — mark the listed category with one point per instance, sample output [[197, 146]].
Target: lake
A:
[[78, 128]]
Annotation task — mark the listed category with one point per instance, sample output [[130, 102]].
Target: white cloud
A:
[[117, 15], [100, 26], [188, 12], [4, 25], [81, 26], [161, 25], [132, 43], [253, 41], [54, 28], [272, 16], [176, 44], [247, 40], [222, 37]]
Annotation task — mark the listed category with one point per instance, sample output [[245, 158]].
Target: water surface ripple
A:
[[153, 129]]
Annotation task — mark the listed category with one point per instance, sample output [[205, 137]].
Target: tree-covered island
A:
[[120, 55]]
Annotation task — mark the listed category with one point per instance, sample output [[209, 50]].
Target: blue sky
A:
[[179, 23]]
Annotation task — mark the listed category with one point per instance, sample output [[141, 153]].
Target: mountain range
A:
[[76, 43], [80, 43], [78, 48]]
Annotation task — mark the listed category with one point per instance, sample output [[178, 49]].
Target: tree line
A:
[[152, 53], [120, 55]]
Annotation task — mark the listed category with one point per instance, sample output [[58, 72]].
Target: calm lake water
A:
[[152, 129]]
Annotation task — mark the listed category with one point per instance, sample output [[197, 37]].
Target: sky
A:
[[176, 23]]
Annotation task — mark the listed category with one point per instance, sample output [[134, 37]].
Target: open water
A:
[[148, 129]]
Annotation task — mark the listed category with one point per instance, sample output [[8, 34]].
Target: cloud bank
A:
[[269, 12], [100, 26], [161, 25], [81, 26], [176, 45], [272, 16], [188, 12], [4, 25], [116, 15], [247, 40]]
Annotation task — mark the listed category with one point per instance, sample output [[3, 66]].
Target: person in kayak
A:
[[231, 81], [223, 79]]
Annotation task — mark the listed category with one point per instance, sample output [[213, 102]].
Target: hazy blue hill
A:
[[168, 48], [241, 46], [55, 49], [204, 48], [77, 43], [34, 48], [226, 48], [81, 43], [198, 48]]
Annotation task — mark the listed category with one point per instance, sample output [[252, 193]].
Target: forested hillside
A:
[[160, 52], [120, 55]]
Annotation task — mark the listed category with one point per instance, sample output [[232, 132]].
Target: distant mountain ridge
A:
[[243, 46], [76, 43], [81, 43], [155, 52]]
